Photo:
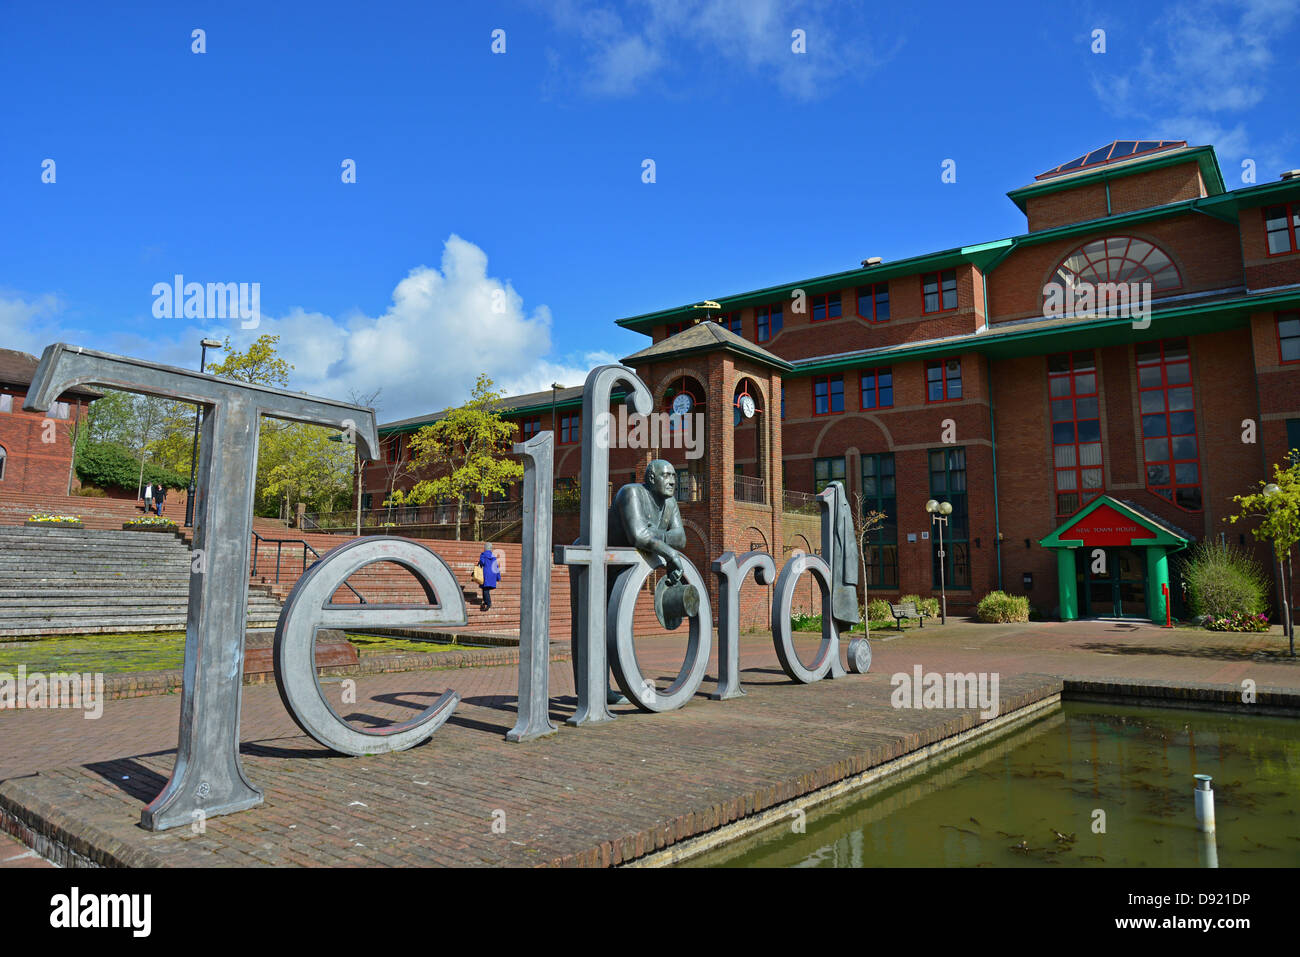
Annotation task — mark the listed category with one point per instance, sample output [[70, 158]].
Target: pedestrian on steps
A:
[[159, 499], [488, 575], [147, 495]]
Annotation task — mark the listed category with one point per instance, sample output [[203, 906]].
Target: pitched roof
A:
[[18, 368], [506, 405], [707, 336]]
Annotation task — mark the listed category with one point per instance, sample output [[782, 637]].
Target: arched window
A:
[[1119, 259], [3, 456]]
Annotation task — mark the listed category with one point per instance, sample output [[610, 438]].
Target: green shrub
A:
[[800, 622], [998, 607], [105, 463], [929, 606], [89, 491], [1223, 580], [878, 610]]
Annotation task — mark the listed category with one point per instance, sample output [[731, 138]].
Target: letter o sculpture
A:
[[622, 653], [309, 607], [828, 654]]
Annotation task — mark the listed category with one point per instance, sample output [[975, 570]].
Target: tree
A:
[[260, 363], [305, 463], [469, 451], [370, 399], [1276, 506], [864, 523]]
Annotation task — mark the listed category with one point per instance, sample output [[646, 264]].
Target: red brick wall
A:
[[1127, 193], [32, 465], [1262, 270], [1205, 250]]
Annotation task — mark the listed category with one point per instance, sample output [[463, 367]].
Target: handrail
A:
[[279, 548]]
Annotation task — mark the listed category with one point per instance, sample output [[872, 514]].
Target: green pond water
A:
[[1028, 799]]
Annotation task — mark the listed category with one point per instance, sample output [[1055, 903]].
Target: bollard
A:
[[1204, 803]]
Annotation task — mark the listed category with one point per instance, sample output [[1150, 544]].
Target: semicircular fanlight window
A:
[[1120, 259]]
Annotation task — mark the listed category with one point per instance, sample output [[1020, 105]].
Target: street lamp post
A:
[[939, 512], [205, 345]]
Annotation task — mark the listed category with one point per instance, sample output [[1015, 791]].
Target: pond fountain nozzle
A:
[[1204, 796]]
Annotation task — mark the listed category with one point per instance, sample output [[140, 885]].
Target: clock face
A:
[[682, 404], [747, 406]]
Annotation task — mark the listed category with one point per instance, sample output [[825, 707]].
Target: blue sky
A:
[[518, 175]]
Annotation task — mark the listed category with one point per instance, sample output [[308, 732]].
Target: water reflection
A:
[[1086, 785]]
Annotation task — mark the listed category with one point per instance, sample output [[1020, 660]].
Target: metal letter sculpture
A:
[[309, 608], [590, 556], [830, 579], [535, 597], [208, 776], [731, 575], [641, 532]]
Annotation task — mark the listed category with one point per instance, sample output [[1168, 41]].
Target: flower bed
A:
[[149, 523], [61, 521], [1240, 621]]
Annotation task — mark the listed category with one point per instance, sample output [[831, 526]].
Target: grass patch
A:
[[381, 645], [150, 651], [109, 654]]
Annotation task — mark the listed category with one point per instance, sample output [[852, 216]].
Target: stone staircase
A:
[[56, 581]]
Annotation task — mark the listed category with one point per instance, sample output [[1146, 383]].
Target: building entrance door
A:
[[1118, 592]]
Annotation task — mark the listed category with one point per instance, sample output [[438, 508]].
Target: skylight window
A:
[[1118, 150]]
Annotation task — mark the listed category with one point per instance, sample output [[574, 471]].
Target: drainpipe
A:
[[993, 436]]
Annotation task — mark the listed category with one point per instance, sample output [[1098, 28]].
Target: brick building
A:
[[35, 448], [1104, 382]]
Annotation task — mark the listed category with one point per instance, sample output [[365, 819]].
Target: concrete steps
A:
[[99, 581]]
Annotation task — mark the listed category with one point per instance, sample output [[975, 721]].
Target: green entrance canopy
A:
[[1108, 523]]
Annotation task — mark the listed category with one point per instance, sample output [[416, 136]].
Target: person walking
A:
[[489, 575], [147, 495], [159, 499]]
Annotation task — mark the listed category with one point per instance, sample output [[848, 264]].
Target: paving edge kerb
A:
[[145, 683], [1268, 701]]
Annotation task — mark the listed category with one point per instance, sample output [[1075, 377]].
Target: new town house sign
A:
[[1092, 546]]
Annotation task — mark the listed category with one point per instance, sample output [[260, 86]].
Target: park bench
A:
[[906, 610]]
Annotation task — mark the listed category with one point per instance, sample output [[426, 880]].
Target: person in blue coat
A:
[[491, 574]]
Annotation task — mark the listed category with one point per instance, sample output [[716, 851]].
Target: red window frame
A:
[[733, 321], [1291, 211], [1280, 318], [873, 292], [763, 320], [571, 426], [939, 281], [824, 299], [530, 427], [676, 327], [874, 376], [942, 364], [1071, 376], [1164, 364], [828, 379]]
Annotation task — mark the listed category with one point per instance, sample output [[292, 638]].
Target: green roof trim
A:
[[1160, 535], [1193, 319], [1203, 156], [978, 255]]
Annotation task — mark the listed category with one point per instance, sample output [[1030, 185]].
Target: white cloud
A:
[[445, 325], [25, 325], [620, 53], [1200, 65]]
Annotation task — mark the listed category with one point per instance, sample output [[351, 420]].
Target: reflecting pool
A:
[[1087, 785]]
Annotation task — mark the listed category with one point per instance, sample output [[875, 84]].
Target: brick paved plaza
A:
[[583, 796]]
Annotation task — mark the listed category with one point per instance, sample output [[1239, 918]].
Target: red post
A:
[[1169, 612]]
